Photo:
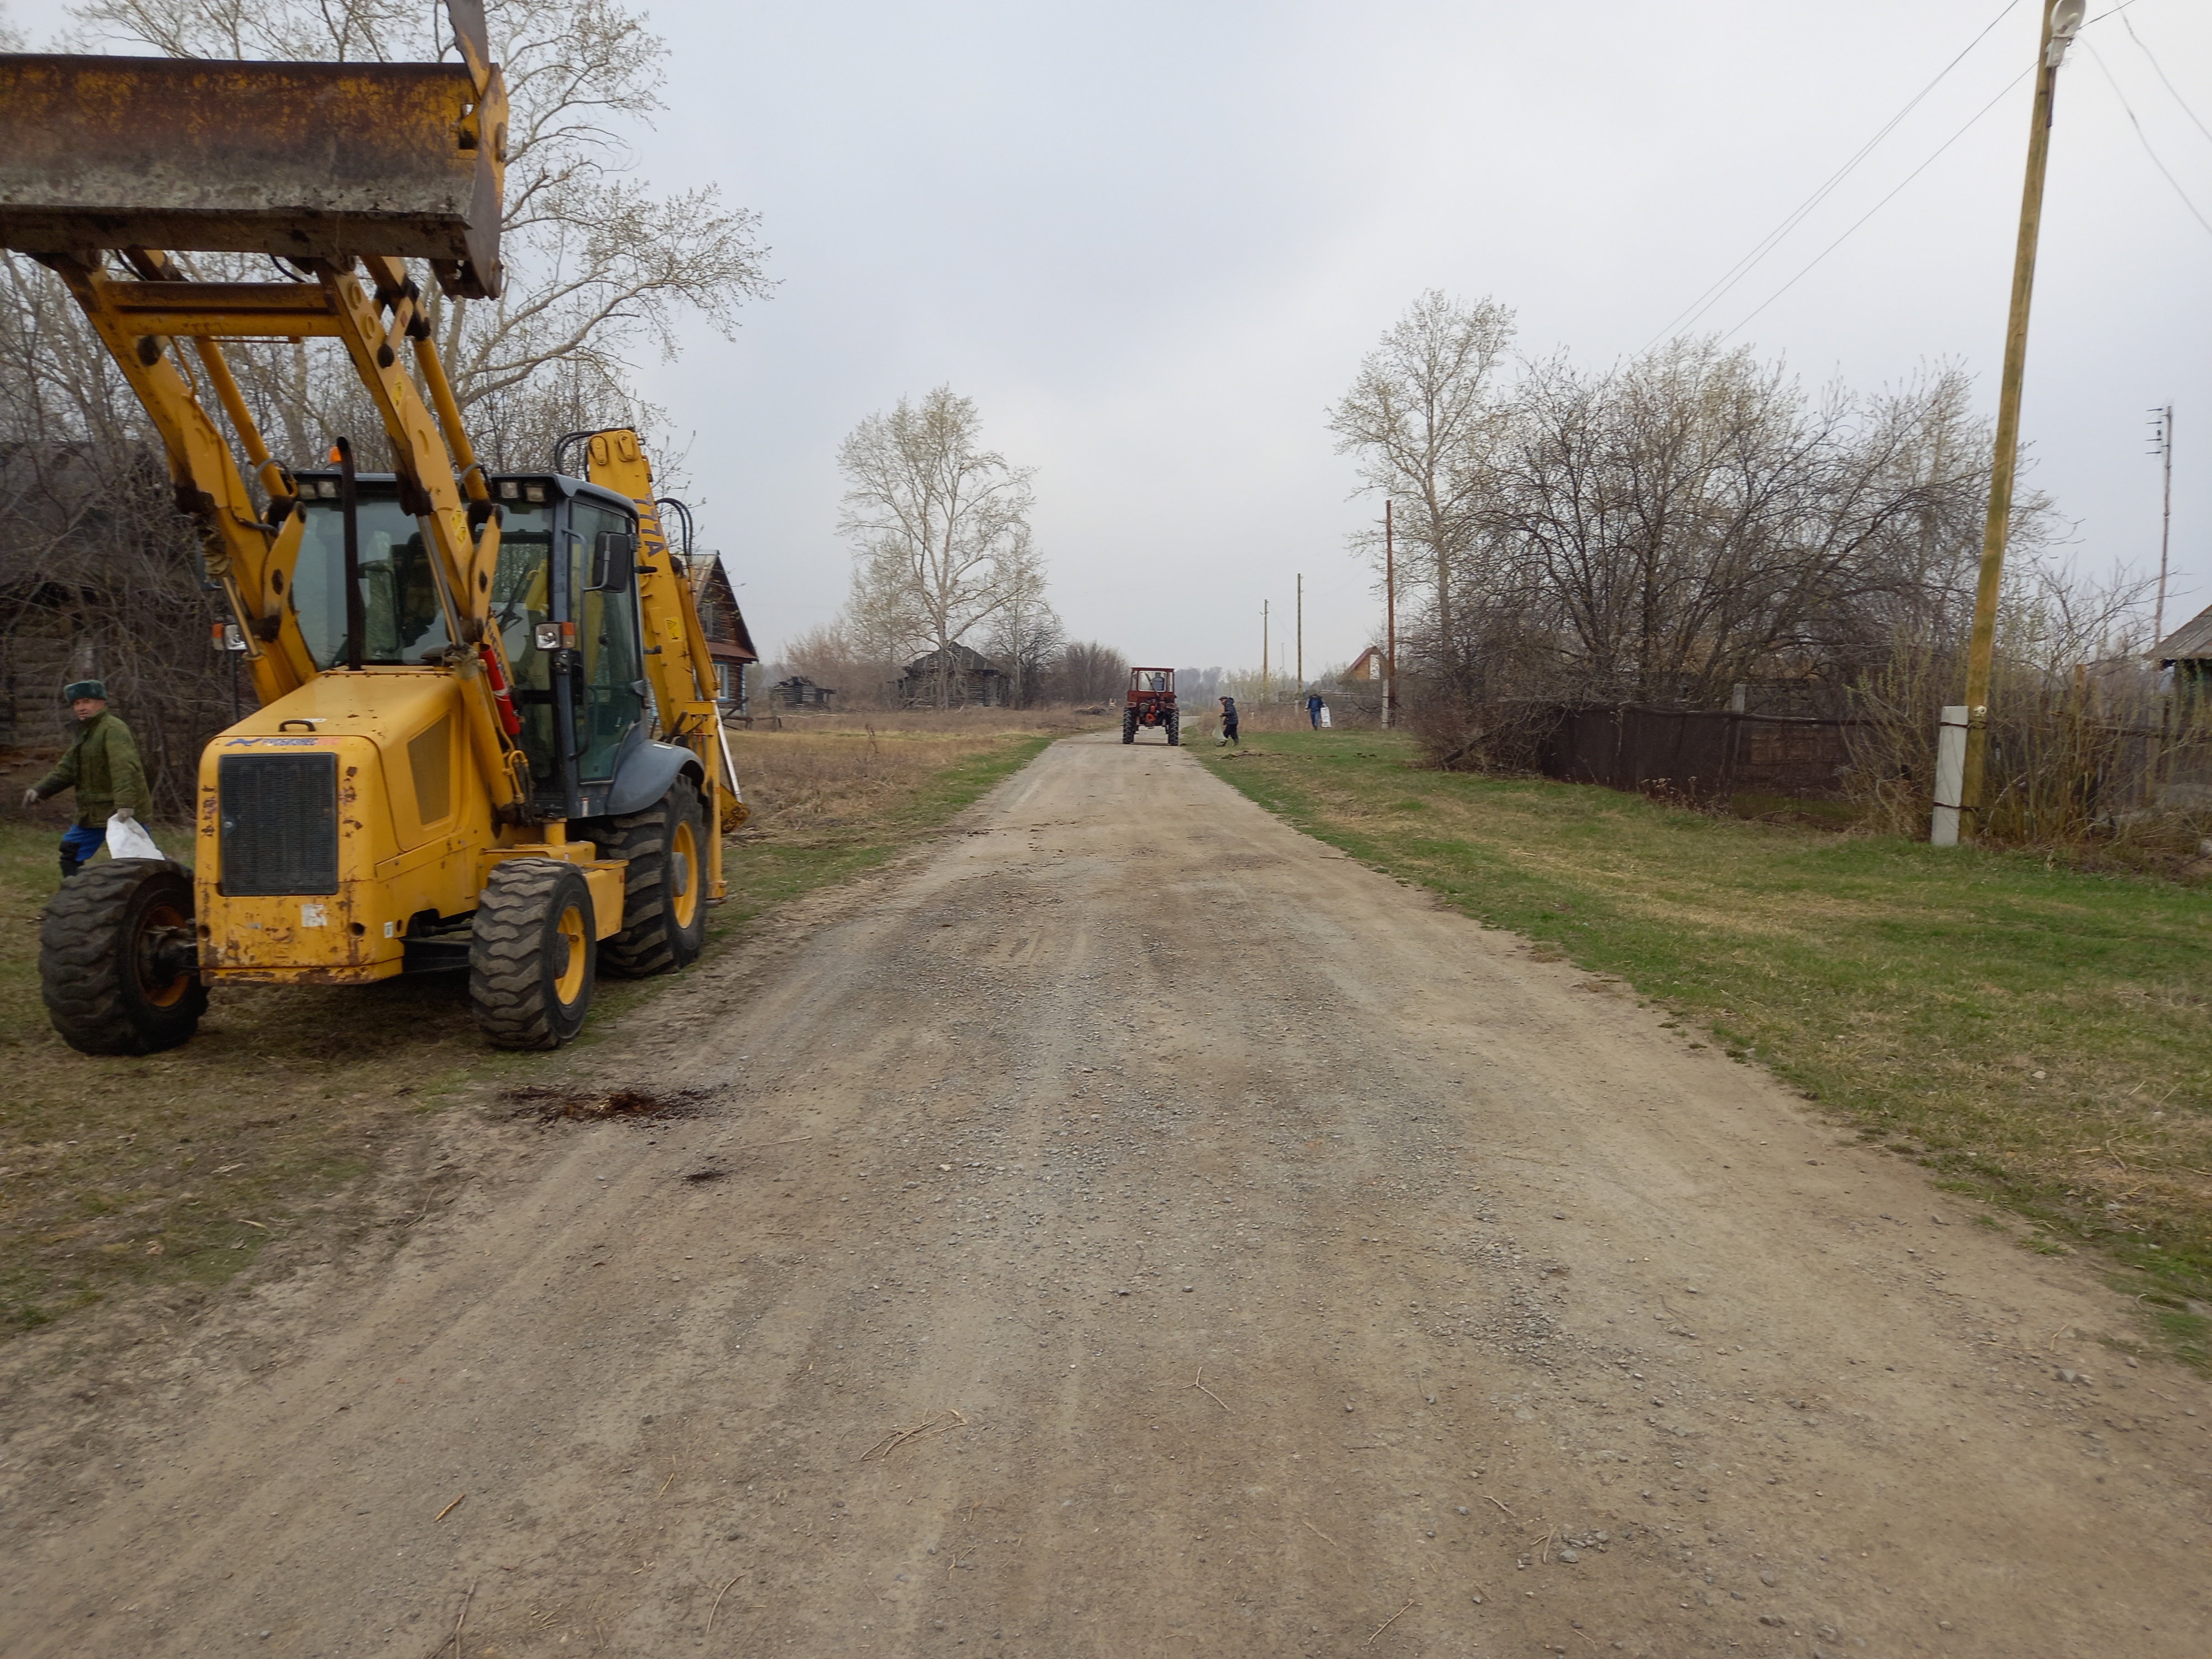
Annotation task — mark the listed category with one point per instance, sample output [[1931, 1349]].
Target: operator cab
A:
[[564, 599]]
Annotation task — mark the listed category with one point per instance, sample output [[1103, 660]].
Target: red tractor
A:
[[1151, 702]]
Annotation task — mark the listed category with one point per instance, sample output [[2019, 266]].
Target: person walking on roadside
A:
[[1313, 708], [1228, 724], [102, 766]]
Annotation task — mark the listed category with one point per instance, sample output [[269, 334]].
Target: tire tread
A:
[[506, 981], [82, 965]]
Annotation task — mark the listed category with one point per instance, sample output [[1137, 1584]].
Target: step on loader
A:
[[488, 740]]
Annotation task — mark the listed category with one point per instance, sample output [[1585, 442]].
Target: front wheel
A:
[[118, 966], [533, 956], [1175, 729], [1129, 726]]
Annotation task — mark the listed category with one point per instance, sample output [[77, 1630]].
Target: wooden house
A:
[[1366, 668], [956, 678], [799, 692], [728, 640], [2188, 652]]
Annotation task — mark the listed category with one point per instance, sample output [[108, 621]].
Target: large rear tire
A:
[[1175, 729], [1128, 725], [119, 964], [665, 887], [533, 957]]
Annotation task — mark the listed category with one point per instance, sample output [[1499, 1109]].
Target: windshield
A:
[[400, 619], [402, 623]]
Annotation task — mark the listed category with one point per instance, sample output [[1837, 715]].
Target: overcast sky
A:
[[1152, 242]]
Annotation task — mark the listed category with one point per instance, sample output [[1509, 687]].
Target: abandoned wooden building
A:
[[799, 692], [958, 677], [99, 580], [2188, 652], [729, 642]]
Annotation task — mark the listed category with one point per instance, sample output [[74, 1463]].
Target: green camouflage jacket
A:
[[102, 767]]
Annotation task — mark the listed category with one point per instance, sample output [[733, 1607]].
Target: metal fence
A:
[[1696, 752]]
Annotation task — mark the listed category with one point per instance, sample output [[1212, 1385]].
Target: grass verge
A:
[[172, 1171], [2038, 1036]]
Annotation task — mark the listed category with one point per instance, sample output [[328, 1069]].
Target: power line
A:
[[1885, 201], [2145, 138], [2128, 25], [1766, 244]]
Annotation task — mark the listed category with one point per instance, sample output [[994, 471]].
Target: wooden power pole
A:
[[2162, 445], [1390, 619], [2059, 23], [1302, 631], [1263, 650]]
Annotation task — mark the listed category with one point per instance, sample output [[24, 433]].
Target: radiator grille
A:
[[280, 824]]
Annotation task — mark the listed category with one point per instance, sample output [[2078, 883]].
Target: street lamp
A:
[[2060, 25]]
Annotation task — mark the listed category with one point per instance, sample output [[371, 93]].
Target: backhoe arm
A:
[[678, 664]]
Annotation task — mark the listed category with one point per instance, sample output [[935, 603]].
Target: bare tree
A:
[[99, 572], [1692, 519], [1088, 672], [1026, 636], [92, 553], [1421, 417], [597, 267], [940, 526]]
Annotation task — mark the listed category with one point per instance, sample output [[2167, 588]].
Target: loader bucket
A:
[[308, 160]]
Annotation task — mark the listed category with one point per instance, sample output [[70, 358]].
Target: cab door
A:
[[610, 685]]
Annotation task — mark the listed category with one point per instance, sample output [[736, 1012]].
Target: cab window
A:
[[607, 634], [522, 598]]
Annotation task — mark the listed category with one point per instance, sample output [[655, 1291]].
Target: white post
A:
[[1950, 776]]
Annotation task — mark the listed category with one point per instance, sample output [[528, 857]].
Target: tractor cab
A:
[[563, 601], [1151, 703]]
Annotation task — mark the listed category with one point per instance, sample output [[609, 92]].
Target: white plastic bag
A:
[[1324, 717], [127, 839]]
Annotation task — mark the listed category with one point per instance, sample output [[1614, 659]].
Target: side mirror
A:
[[614, 555]]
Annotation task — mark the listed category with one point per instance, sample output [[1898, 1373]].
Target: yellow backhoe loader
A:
[[488, 739]]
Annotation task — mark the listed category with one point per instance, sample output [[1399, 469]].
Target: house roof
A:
[[2191, 643], [711, 584], [965, 659]]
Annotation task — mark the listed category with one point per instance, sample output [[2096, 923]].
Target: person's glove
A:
[[30, 799], [125, 813]]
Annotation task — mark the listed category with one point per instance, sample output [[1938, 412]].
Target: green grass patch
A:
[[2038, 1036]]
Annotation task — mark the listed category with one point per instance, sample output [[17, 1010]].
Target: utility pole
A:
[[1263, 650], [2162, 444], [1390, 619], [1302, 629], [2060, 21]]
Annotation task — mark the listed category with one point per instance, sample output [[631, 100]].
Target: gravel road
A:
[[1133, 1228]]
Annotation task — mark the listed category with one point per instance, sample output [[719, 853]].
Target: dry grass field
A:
[[824, 778]]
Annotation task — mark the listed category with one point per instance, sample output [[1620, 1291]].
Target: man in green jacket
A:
[[102, 766]]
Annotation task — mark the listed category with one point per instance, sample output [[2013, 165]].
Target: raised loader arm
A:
[[342, 171]]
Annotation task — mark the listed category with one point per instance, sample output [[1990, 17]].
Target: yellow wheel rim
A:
[[167, 994], [570, 983], [684, 859]]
